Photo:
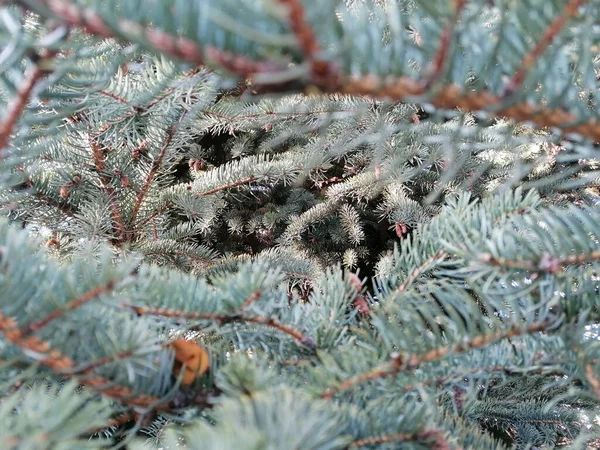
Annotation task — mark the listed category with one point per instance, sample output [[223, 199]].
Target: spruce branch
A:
[[69, 306], [175, 46], [440, 59], [118, 225], [62, 365], [547, 263], [320, 70], [226, 318], [104, 361], [400, 362], [155, 167], [179, 253], [418, 271], [546, 40], [24, 92], [435, 438], [62, 207], [155, 214], [115, 97], [453, 96], [593, 379], [224, 187], [395, 88]]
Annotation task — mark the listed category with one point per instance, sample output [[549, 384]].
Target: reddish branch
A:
[[547, 263], [593, 379], [115, 97], [441, 56], [418, 271], [435, 438], [393, 88], [246, 180], [179, 253], [222, 319], [320, 70], [118, 226], [156, 213], [106, 360], [62, 364], [64, 208], [15, 110], [176, 46], [546, 40], [70, 306], [400, 362], [155, 167], [454, 96], [255, 296]]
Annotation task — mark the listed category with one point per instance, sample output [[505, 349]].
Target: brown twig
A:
[[400, 362], [176, 46], [155, 167], [64, 208], [179, 253], [70, 306], [393, 88], [99, 157], [546, 40], [508, 370], [62, 364], [297, 275], [156, 213], [246, 180], [103, 361], [255, 296], [16, 108], [418, 271], [121, 419], [115, 97], [547, 263], [593, 379], [454, 96], [441, 56], [436, 439], [224, 319], [321, 70]]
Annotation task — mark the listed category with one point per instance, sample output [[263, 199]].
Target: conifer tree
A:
[[284, 224]]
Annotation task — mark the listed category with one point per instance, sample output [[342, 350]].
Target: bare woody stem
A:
[[70, 306], [307, 40], [241, 182], [546, 40], [394, 88], [115, 97], [153, 171], [19, 104], [418, 271], [63, 365], [99, 157], [440, 58], [224, 319], [435, 437], [103, 361], [400, 362], [175, 46], [547, 263], [180, 253], [593, 379]]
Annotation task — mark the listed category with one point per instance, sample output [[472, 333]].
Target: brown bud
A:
[[65, 189]]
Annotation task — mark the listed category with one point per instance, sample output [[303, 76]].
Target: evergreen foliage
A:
[[283, 224]]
